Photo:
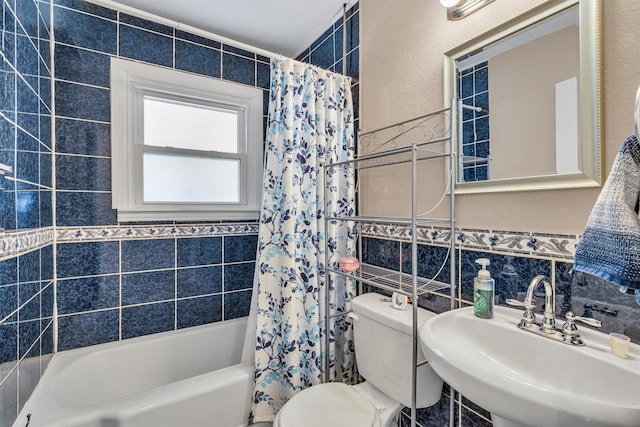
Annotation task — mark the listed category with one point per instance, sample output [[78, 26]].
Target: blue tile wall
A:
[[26, 319], [145, 46], [236, 304], [197, 281], [200, 251], [198, 59], [84, 208], [25, 112], [87, 259], [327, 52], [198, 311], [86, 329], [238, 69], [153, 286], [148, 319], [82, 102], [148, 254], [83, 137], [150, 285], [88, 294], [241, 275], [240, 248], [26, 278], [81, 66], [87, 30]]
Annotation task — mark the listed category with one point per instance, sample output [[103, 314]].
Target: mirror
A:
[[528, 98]]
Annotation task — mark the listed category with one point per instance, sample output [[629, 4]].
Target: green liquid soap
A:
[[483, 303], [483, 289]]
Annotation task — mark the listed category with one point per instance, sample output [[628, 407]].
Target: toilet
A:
[[384, 346]]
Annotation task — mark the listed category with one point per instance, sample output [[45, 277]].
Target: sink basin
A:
[[528, 380]]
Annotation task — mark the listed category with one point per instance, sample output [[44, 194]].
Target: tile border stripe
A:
[[135, 232], [14, 243], [539, 245]]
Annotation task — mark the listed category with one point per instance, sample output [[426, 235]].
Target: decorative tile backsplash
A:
[[558, 246], [14, 243], [155, 231], [515, 258]]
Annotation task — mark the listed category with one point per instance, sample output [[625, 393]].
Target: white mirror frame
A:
[[590, 96], [636, 114]]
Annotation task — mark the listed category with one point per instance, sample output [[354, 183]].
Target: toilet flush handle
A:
[[353, 316]]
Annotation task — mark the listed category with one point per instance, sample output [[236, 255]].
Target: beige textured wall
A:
[[402, 44], [522, 126]]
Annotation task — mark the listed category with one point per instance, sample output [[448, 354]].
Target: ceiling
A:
[[286, 27]]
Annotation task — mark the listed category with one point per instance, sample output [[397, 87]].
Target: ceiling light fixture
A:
[[458, 9]]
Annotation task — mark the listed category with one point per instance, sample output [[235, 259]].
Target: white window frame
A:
[[130, 83]]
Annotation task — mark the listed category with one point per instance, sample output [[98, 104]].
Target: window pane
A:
[[169, 123], [179, 178]]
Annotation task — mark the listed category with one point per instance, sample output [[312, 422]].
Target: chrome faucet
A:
[[548, 321], [569, 332]]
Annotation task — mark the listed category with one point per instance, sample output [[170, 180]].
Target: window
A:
[[184, 147]]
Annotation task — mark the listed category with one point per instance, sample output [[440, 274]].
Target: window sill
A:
[[185, 215]]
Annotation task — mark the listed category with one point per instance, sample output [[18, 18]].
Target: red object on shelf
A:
[[349, 263]]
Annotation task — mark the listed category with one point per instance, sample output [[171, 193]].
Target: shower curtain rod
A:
[[471, 107]]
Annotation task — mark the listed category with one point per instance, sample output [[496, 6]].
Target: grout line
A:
[[119, 308], [79, 119], [83, 191], [117, 34], [141, 304], [175, 283], [173, 49], [223, 284], [83, 84], [40, 187], [92, 156]]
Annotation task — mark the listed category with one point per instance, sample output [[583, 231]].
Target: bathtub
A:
[[186, 378]]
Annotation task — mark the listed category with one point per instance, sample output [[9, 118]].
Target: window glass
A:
[[169, 123], [179, 178]]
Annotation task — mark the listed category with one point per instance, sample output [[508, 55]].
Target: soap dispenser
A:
[[483, 289]]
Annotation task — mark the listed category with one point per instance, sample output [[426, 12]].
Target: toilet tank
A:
[[384, 348]]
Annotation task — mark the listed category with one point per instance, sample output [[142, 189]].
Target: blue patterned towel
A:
[[610, 245]]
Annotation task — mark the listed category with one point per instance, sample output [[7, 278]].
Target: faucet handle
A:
[[570, 327], [516, 303], [528, 318], [586, 320]]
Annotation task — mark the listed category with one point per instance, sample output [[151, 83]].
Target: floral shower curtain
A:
[[310, 123]]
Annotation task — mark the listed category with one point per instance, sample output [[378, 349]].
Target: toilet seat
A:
[[328, 404]]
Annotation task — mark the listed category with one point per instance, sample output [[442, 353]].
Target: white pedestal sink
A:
[[527, 380]]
